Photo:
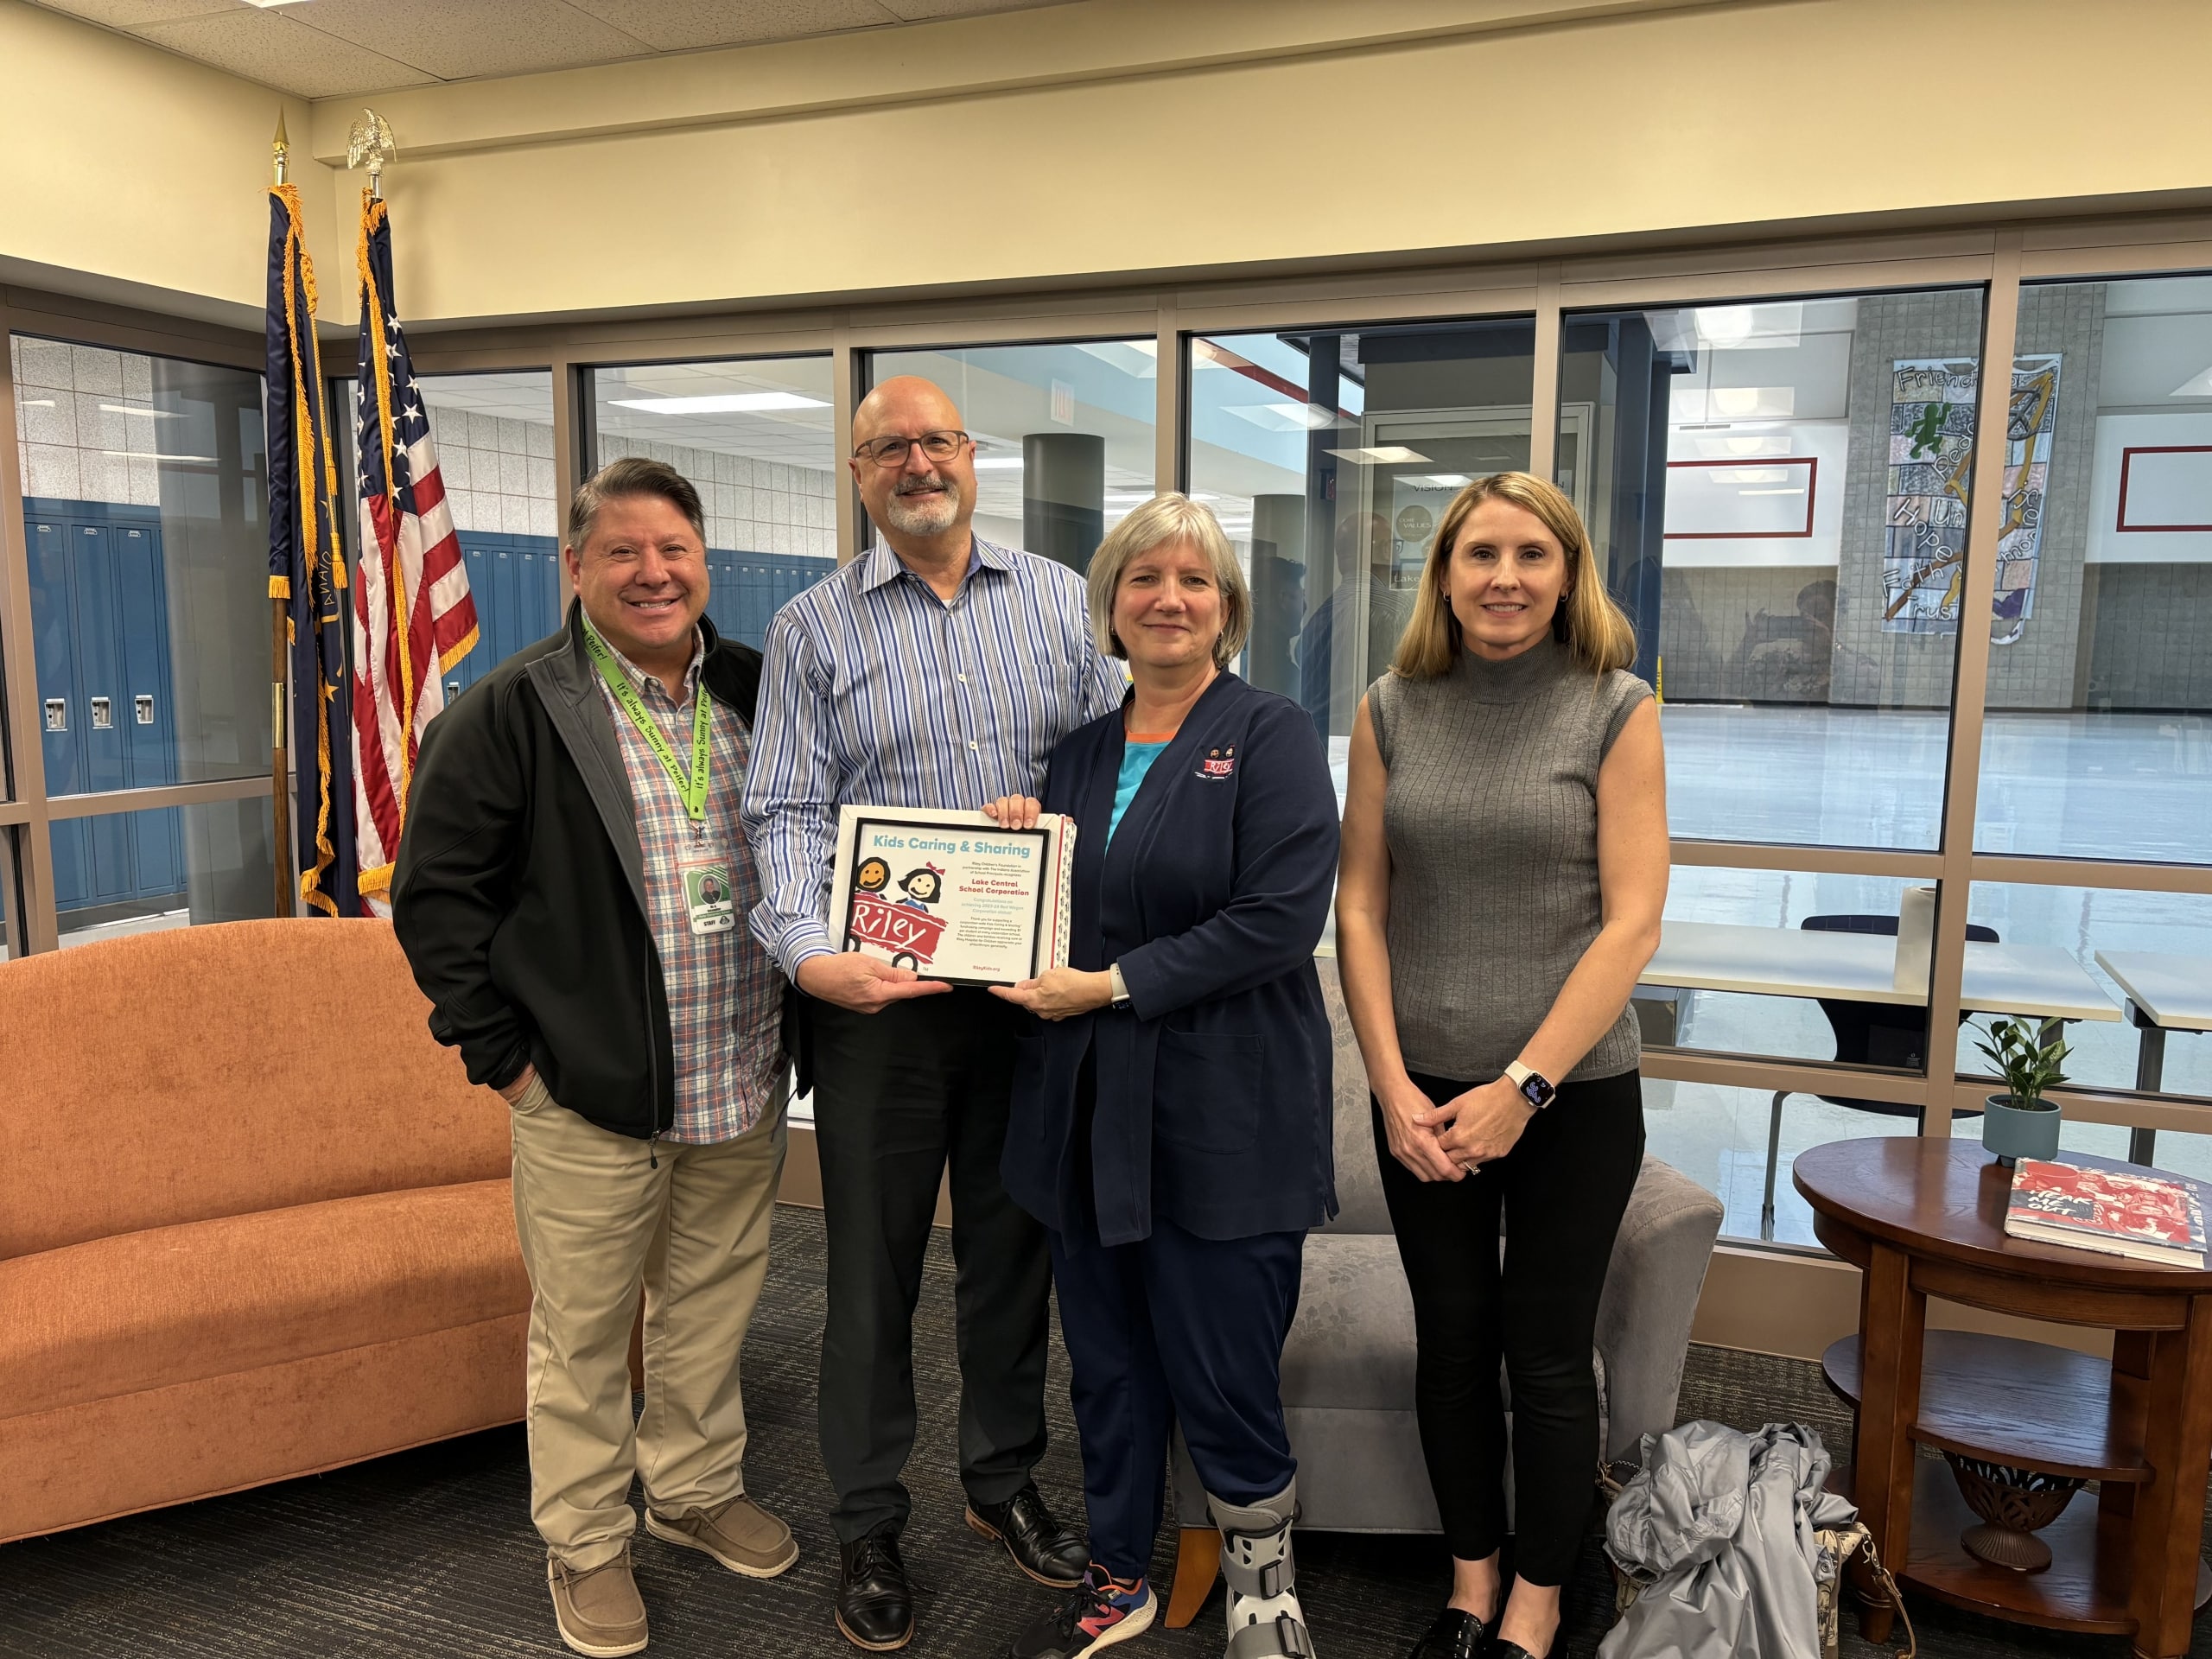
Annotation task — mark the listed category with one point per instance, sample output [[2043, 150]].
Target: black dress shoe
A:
[[876, 1605], [1514, 1651], [1040, 1546], [1456, 1635]]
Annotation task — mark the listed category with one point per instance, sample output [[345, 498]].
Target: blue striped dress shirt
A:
[[877, 693]]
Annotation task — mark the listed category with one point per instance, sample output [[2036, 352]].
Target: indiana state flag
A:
[[307, 569]]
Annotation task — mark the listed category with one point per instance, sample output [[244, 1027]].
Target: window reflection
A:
[[755, 439], [144, 497], [2098, 738], [1330, 455], [1778, 493], [1064, 435]]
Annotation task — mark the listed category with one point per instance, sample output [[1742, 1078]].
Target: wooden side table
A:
[[1925, 1218]]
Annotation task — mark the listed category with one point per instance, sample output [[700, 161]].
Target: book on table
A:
[[952, 895], [2145, 1217]]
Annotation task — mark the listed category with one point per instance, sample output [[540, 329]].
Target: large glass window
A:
[[1064, 435], [144, 503], [2139, 965], [2097, 741], [754, 438], [1778, 494], [1330, 455], [175, 867]]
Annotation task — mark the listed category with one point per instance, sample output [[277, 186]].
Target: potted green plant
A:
[[2020, 1122]]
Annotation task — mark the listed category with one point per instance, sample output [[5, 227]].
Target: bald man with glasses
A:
[[935, 670]]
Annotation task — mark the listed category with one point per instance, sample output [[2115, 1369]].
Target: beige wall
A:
[[1111, 136], [1693, 119], [130, 174]]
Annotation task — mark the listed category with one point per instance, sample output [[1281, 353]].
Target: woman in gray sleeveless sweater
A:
[[1503, 871]]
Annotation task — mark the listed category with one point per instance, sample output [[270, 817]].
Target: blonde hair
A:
[[1169, 516], [1594, 629]]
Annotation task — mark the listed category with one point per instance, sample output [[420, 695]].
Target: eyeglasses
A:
[[892, 452]]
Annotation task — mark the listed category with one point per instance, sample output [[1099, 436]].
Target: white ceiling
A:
[[332, 48]]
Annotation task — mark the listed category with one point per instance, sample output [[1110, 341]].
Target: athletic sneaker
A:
[[1098, 1612]]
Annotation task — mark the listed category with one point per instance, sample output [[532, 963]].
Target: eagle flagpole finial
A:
[[370, 142]]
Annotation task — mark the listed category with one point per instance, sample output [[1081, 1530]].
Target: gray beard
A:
[[919, 519]]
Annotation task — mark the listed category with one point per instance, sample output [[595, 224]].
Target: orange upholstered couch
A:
[[253, 1221]]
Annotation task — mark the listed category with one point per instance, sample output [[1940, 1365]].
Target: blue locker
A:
[[99, 620], [142, 707], [503, 604], [61, 718], [99, 677]]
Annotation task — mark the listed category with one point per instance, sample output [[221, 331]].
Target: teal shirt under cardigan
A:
[[1136, 760]]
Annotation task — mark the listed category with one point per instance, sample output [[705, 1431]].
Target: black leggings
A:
[[1564, 1186]]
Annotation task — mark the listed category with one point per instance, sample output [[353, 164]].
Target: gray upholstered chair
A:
[[1348, 1368]]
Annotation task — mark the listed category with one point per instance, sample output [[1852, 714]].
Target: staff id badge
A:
[[708, 895]]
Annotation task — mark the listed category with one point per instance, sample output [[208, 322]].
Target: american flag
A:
[[413, 618]]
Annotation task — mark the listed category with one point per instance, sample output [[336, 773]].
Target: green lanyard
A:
[[692, 789]]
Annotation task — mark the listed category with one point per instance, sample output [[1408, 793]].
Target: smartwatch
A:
[[1121, 998], [1535, 1087]]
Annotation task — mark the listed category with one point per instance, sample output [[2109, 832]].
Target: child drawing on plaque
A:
[[921, 887], [872, 877]]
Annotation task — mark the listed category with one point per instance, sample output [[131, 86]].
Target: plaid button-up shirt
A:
[[724, 994]]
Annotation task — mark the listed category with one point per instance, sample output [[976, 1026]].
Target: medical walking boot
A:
[[1265, 1621]]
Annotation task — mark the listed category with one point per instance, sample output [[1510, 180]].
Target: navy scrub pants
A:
[[1175, 1328]]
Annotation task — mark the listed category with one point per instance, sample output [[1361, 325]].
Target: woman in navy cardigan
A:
[[1171, 1122]]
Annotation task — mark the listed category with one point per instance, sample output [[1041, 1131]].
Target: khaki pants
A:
[[596, 1220]]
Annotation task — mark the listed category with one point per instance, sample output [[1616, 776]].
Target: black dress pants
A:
[[898, 1097], [1564, 1188]]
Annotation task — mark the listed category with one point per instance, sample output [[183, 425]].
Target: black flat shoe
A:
[[1456, 1635], [1048, 1552], [1514, 1651], [876, 1605]]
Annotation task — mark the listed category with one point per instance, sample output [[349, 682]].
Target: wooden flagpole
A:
[[280, 771]]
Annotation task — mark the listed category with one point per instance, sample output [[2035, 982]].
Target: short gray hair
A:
[[632, 475], [1170, 517]]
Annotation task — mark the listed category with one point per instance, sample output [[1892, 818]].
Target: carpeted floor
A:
[[431, 1552]]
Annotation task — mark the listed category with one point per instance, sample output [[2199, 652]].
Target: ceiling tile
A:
[[135, 14], [914, 11], [270, 47], [680, 25], [461, 40]]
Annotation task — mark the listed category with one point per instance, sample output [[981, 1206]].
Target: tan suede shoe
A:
[[600, 1612], [740, 1534]]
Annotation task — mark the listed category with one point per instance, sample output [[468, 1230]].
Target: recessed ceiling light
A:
[[1284, 417], [721, 402], [1387, 455]]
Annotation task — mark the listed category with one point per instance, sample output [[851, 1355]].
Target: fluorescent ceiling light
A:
[[37, 402], [1442, 481], [1798, 491], [270, 5], [1385, 454], [721, 402], [148, 454], [1138, 358], [998, 463], [150, 414], [1749, 327], [1284, 417], [1743, 403], [2197, 385]]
